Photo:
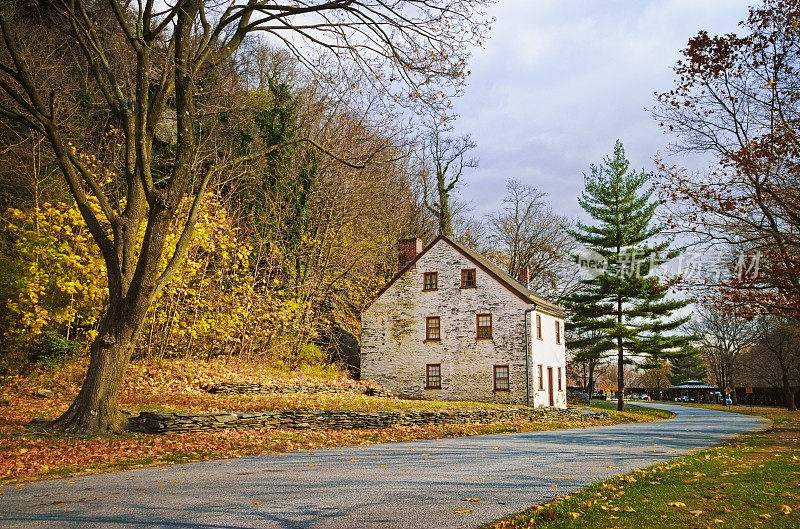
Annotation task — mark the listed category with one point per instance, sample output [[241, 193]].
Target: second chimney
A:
[[524, 276], [407, 249]]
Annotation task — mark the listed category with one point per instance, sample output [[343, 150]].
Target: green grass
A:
[[753, 482], [632, 412], [776, 415]]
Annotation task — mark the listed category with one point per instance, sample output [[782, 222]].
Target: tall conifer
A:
[[622, 310]]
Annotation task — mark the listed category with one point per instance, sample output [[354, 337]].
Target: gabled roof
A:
[[482, 262], [694, 386]]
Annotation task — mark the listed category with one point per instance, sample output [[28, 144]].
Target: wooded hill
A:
[[288, 246]]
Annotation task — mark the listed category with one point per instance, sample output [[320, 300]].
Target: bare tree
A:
[[735, 98], [468, 230], [723, 339], [148, 60], [528, 233], [775, 357], [443, 159], [656, 376]]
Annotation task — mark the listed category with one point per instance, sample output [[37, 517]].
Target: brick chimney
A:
[[407, 249], [524, 275]]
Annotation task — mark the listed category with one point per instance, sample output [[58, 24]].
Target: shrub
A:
[[54, 277], [55, 350]]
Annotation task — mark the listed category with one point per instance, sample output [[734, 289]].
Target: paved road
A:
[[403, 485]]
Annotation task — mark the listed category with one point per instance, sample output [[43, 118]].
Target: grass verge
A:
[[751, 482], [776, 415], [632, 412]]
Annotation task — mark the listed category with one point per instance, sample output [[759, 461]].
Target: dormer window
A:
[[430, 281], [468, 278]]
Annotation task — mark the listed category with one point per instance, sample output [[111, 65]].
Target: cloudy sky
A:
[[560, 80]]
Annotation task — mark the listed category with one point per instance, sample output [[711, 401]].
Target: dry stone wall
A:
[[158, 422], [236, 388]]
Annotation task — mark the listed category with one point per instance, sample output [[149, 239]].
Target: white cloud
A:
[[559, 81]]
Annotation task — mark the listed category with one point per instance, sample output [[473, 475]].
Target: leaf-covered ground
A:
[[752, 482], [27, 452], [180, 385]]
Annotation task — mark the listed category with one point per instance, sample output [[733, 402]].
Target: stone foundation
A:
[[157, 422]]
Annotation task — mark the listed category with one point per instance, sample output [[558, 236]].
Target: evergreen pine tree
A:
[[689, 367], [622, 310]]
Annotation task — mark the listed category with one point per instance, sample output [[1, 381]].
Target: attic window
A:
[[468, 278], [558, 332], [539, 326], [431, 281]]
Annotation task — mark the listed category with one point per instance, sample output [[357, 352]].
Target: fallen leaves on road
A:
[[28, 453]]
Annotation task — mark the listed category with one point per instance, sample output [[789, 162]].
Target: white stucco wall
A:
[[547, 353], [394, 351]]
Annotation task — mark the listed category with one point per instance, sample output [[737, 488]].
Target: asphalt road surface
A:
[[402, 485]]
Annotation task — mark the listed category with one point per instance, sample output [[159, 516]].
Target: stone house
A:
[[452, 325]]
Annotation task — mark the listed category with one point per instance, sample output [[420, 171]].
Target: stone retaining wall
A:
[[235, 388], [157, 422]]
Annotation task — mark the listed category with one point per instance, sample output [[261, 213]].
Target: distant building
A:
[[452, 325], [694, 391]]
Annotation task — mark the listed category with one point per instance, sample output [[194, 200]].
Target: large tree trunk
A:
[[95, 409], [133, 288]]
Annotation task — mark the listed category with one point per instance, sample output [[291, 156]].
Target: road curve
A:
[[401, 485]]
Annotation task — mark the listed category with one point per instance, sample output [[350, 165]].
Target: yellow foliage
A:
[[57, 277], [58, 284], [211, 306]]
